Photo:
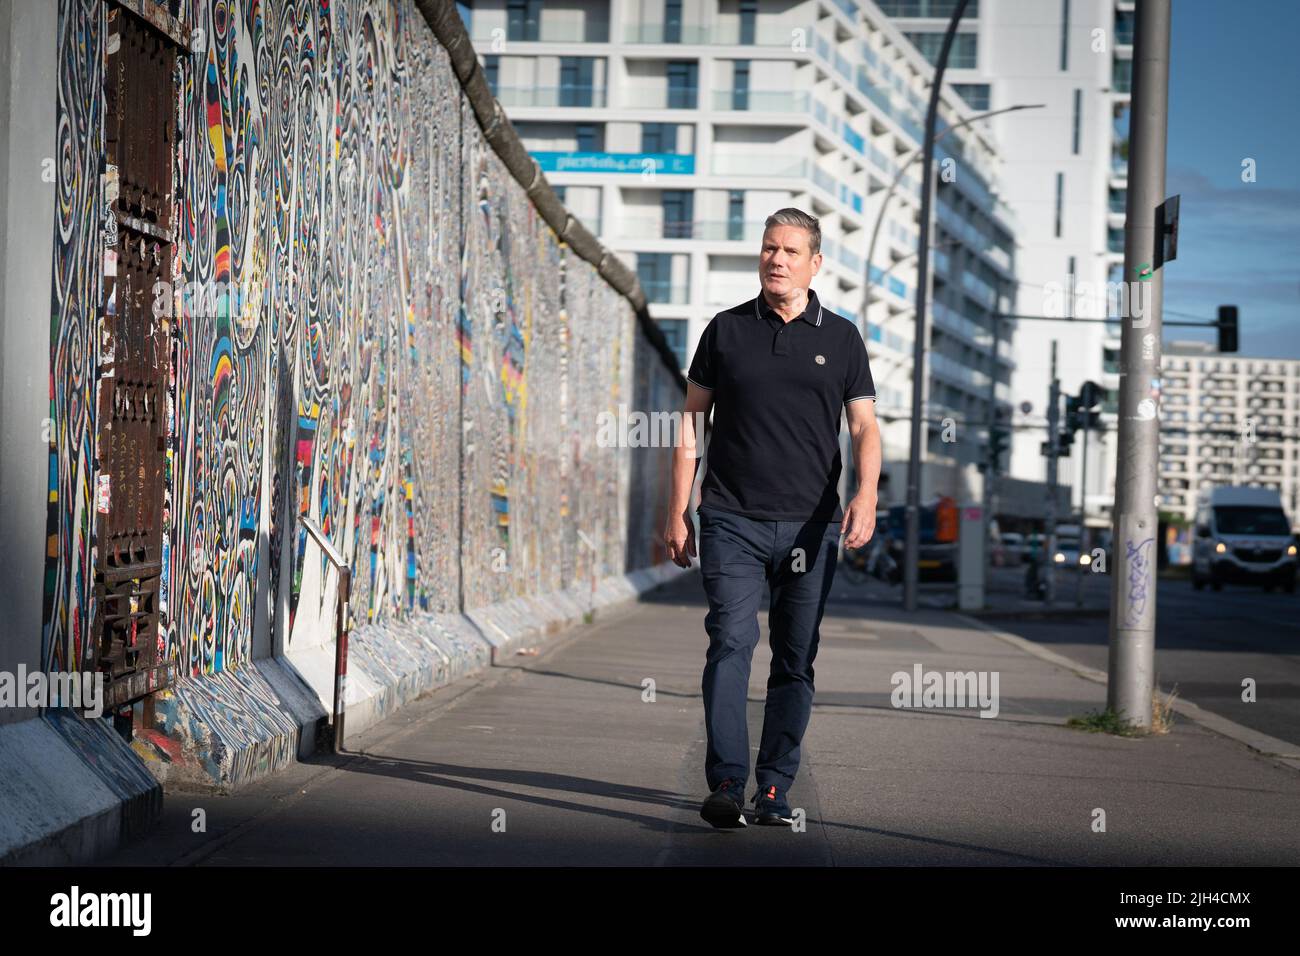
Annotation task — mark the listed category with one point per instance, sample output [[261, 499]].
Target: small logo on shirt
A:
[[820, 359]]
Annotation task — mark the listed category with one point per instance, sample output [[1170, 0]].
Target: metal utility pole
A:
[[912, 541], [1081, 569], [1133, 585], [1053, 460], [991, 454]]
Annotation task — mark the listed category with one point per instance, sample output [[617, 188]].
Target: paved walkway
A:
[[563, 749]]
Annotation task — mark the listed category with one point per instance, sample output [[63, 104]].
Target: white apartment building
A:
[[673, 128], [1064, 175], [1227, 419]]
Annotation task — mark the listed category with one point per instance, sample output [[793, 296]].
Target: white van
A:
[[1242, 535]]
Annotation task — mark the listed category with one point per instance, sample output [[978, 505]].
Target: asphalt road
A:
[[1207, 643]]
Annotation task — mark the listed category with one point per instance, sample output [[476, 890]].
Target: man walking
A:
[[777, 370]]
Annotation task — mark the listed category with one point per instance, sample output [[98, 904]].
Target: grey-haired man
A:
[[777, 371]]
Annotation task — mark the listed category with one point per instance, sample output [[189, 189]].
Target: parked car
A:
[[1010, 548]]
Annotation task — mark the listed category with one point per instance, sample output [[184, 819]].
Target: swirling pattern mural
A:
[[373, 327]]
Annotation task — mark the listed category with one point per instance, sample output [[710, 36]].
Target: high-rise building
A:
[[1064, 173], [1227, 420], [673, 128]]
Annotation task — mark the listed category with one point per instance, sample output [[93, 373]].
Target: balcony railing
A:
[[665, 292], [762, 101], [670, 98], [520, 96], [545, 32], [696, 33]]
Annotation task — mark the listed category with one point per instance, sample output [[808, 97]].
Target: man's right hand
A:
[[679, 536]]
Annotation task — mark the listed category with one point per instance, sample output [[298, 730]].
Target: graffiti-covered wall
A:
[[370, 324]]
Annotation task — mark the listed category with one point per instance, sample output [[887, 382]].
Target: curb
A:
[[1274, 748], [1040, 614], [224, 731]]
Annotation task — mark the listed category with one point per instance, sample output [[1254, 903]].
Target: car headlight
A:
[[1085, 559], [1060, 558], [1290, 550], [1220, 548]]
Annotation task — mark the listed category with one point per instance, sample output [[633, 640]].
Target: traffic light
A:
[[1091, 398], [1073, 414], [1227, 328], [997, 445]]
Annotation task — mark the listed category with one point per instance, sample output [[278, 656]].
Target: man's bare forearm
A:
[[866, 458], [686, 463]]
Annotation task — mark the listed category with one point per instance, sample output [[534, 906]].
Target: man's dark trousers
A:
[[738, 556]]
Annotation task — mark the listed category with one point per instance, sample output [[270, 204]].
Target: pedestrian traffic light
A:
[[1227, 328]]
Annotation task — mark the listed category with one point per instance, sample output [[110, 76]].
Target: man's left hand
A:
[[859, 521]]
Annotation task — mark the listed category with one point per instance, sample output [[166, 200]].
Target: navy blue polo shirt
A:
[[779, 389]]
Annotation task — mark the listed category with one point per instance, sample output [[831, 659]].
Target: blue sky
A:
[[1234, 93]]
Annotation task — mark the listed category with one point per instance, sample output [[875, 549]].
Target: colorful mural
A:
[[373, 327]]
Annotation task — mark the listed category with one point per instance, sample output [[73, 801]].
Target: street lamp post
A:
[[912, 540]]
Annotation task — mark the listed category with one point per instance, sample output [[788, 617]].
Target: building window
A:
[[559, 192], [672, 21], [678, 211], [1071, 265], [491, 69], [1078, 118], [976, 95], [1065, 35], [522, 19], [1115, 239], [748, 21], [576, 74], [674, 331], [1121, 80], [740, 86], [927, 8], [590, 138], [1123, 27], [1060, 201], [658, 137], [681, 84], [962, 56], [736, 215], [654, 270]]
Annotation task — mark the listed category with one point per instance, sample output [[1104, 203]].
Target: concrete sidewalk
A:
[[582, 769]]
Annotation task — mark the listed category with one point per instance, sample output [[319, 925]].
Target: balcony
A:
[[762, 101], [545, 32], [685, 33], [665, 292], [765, 166], [554, 96], [662, 98]]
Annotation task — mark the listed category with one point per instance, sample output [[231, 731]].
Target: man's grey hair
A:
[[790, 216]]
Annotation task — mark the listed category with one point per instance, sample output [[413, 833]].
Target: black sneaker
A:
[[771, 809], [725, 806]]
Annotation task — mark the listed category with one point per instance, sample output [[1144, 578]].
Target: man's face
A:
[[784, 264]]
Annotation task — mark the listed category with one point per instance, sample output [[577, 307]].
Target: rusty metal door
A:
[[140, 100]]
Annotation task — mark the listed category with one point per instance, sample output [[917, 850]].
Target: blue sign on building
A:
[[675, 164]]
